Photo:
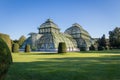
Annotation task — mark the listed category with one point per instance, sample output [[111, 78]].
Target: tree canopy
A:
[[114, 38]]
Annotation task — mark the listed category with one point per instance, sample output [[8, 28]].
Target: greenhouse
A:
[[49, 37]]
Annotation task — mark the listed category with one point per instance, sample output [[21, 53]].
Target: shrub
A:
[[82, 48], [62, 48], [27, 48], [15, 48], [7, 39], [5, 59], [101, 48], [92, 47], [107, 48]]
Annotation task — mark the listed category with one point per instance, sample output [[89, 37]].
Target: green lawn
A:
[[71, 66]]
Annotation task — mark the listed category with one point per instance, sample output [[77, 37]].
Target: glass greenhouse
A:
[[49, 37]]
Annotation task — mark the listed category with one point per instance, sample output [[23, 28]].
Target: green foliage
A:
[[114, 38], [15, 48], [102, 43], [62, 48], [92, 47], [82, 48], [5, 59], [7, 39], [107, 48], [101, 48], [15, 41], [27, 48], [21, 40]]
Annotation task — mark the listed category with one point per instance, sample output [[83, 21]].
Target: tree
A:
[[62, 48], [15, 41], [15, 48], [114, 38], [27, 48], [21, 40], [102, 43], [5, 58]]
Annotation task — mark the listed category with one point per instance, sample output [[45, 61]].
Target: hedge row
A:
[[7, 39], [5, 58]]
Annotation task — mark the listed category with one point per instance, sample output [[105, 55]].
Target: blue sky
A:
[[20, 17]]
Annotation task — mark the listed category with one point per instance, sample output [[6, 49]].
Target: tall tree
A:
[[21, 40], [103, 41], [114, 37]]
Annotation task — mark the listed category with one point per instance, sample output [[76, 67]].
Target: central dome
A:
[[49, 23]]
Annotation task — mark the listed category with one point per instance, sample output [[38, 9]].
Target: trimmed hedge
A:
[[5, 58], [82, 48], [100, 48], [7, 39], [27, 48], [62, 48], [15, 48], [92, 47]]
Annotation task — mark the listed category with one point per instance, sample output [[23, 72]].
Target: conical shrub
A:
[[15, 48], [62, 48], [27, 48], [5, 58]]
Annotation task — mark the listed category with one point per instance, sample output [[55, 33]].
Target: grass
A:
[[93, 65]]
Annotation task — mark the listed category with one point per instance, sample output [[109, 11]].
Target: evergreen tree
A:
[[103, 41]]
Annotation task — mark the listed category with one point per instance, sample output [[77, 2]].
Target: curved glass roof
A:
[[76, 28], [49, 23]]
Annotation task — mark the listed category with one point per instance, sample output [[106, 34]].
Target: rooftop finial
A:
[[76, 24], [49, 20]]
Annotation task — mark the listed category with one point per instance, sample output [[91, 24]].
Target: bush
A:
[[82, 48], [27, 48], [62, 48], [92, 47], [101, 48], [5, 59], [107, 48], [15, 48], [7, 39]]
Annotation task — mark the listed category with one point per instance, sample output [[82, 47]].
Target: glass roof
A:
[[49, 23]]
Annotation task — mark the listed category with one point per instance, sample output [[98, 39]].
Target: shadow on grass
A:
[[67, 68], [39, 54], [55, 53], [104, 51]]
